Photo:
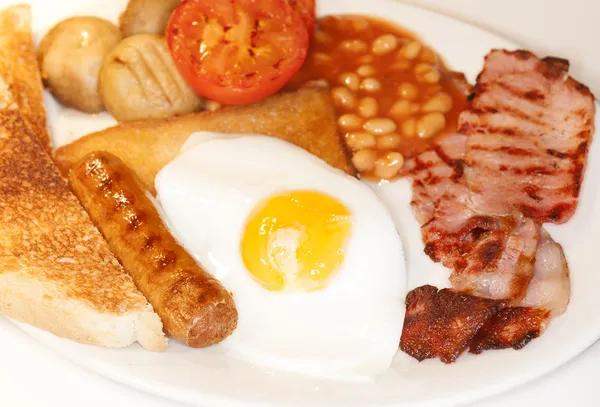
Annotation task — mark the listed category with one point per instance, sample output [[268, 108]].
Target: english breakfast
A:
[[230, 204]]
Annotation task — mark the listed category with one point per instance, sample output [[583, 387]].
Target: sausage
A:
[[194, 307]]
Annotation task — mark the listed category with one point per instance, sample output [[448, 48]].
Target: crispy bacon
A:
[[529, 128], [513, 327], [426, 335], [481, 197], [442, 323]]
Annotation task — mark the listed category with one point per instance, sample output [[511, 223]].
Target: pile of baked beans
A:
[[393, 95]]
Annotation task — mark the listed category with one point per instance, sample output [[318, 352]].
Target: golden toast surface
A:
[[46, 238], [304, 118], [46, 235], [20, 79]]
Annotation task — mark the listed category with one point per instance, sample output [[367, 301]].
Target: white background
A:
[[32, 376]]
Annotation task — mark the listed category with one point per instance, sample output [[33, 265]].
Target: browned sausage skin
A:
[[194, 307]]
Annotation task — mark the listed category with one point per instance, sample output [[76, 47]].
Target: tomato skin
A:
[[307, 11], [208, 80]]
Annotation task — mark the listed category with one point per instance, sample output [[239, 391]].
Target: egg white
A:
[[350, 329]]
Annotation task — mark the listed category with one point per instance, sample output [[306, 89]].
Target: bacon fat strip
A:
[[194, 307]]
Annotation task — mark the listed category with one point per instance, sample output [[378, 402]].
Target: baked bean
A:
[[360, 140], [430, 124], [350, 121], [367, 107], [345, 24], [322, 37], [354, 46], [388, 166], [378, 73], [365, 59], [400, 66], [388, 141], [343, 97], [432, 77], [321, 58], [442, 102], [403, 41], [427, 73], [360, 23], [407, 90], [428, 56], [409, 128], [380, 125], [401, 109], [351, 80], [422, 69], [370, 85], [410, 50], [384, 44], [364, 160], [329, 21], [365, 70]]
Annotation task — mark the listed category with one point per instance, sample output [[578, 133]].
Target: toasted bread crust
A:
[[304, 118], [42, 225], [57, 261], [41, 306], [23, 86]]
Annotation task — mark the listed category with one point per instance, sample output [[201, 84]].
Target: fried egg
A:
[[311, 255]]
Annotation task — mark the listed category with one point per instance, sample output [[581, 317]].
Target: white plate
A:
[[209, 378]]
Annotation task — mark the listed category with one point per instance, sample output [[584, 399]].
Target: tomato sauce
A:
[[393, 94]]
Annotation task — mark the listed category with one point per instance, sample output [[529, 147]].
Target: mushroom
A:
[[147, 16], [139, 80], [70, 57]]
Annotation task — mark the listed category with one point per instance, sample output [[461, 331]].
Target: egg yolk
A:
[[295, 241]]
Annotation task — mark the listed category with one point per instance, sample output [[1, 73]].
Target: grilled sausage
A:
[[194, 307]]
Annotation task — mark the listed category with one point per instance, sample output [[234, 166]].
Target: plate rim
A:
[[221, 400]]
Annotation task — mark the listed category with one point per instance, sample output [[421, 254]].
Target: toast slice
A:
[[23, 86], [56, 271], [305, 118]]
